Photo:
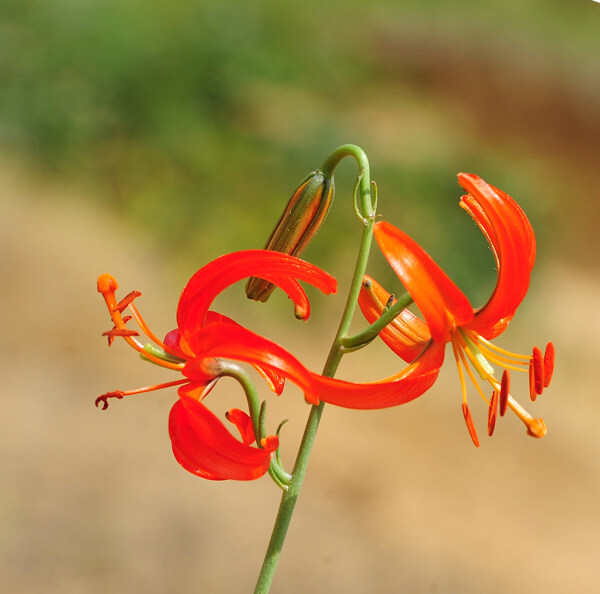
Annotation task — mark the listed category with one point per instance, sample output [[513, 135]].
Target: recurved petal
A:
[[280, 269], [407, 335], [512, 240], [229, 341], [403, 387], [243, 422], [204, 447], [275, 381], [443, 305]]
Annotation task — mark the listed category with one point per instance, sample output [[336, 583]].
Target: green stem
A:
[[289, 497], [368, 334]]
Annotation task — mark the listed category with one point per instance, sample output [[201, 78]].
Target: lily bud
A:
[[301, 219]]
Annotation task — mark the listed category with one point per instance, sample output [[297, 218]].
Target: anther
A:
[[470, 424], [126, 301], [504, 391], [492, 413], [119, 332], [104, 398], [548, 364], [538, 371]]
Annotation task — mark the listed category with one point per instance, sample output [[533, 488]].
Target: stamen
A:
[[477, 358], [144, 326], [504, 391], [532, 392], [496, 348], [492, 413], [126, 301], [461, 374], [104, 398], [502, 361], [460, 353], [118, 394], [120, 332], [538, 370], [548, 364], [470, 424]]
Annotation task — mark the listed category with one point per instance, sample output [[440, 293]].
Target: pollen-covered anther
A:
[[122, 305], [548, 364], [470, 424], [504, 391], [492, 413], [111, 334], [104, 398]]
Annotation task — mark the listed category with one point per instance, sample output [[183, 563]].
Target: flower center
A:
[[473, 352], [155, 353]]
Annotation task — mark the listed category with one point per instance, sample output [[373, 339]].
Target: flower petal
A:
[[243, 422], [403, 387], [512, 240], [204, 447], [407, 335], [229, 341], [442, 303], [281, 269]]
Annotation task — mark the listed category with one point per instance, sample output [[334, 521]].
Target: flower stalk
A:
[[366, 212]]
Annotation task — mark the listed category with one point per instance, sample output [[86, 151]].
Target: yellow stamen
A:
[[476, 357], [461, 374], [497, 349]]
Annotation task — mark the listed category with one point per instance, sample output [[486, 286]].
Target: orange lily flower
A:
[[200, 441], [448, 314]]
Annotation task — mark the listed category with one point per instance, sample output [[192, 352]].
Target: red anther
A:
[[538, 370], [532, 393], [104, 398], [492, 413], [470, 424], [121, 332], [504, 391], [118, 332], [548, 364], [126, 301]]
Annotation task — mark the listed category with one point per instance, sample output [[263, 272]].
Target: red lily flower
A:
[[200, 441], [449, 317]]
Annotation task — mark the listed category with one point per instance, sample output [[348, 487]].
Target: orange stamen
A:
[[504, 389], [144, 326], [493, 413], [548, 364], [470, 424], [107, 285], [496, 348], [120, 394]]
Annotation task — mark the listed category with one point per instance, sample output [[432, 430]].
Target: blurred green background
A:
[[145, 138]]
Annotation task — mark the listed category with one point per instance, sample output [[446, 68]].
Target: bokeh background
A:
[[145, 138]]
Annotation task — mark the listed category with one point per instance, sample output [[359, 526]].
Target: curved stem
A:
[[368, 334], [289, 497], [226, 368]]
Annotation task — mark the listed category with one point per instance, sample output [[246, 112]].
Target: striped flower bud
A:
[[302, 217]]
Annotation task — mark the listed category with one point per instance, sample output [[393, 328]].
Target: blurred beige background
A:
[[396, 500]]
